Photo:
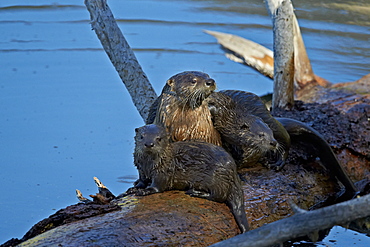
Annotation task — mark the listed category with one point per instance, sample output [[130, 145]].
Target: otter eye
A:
[[159, 139], [194, 80], [141, 137]]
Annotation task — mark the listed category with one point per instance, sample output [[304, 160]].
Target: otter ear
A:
[[136, 130], [212, 109]]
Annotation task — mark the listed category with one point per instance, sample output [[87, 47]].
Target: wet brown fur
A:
[[247, 137]]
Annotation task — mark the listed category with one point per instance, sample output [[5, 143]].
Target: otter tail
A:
[[307, 136], [235, 202]]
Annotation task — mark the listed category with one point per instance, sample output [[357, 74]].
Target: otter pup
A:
[[202, 169], [250, 104], [181, 108], [245, 136]]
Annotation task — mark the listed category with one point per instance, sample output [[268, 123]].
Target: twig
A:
[[104, 192], [80, 197]]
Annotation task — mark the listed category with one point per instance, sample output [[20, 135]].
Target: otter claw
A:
[[277, 165], [132, 190]]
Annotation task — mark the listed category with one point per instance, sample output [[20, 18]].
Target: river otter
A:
[[245, 136], [202, 169], [284, 130], [181, 108]]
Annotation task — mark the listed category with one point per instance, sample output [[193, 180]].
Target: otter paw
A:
[[129, 191], [147, 191], [278, 165], [136, 191], [132, 190]]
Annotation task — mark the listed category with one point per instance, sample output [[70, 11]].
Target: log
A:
[[302, 223], [121, 55]]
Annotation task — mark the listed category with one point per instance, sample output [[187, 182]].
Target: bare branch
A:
[[283, 96], [121, 56]]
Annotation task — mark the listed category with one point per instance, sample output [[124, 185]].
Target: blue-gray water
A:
[[66, 117]]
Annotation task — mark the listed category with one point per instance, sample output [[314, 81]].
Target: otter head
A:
[[151, 138], [191, 87], [264, 143], [251, 131], [253, 136]]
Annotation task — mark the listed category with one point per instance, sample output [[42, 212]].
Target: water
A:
[[66, 117]]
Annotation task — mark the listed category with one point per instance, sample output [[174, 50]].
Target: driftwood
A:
[[173, 218], [261, 58], [247, 52], [318, 90]]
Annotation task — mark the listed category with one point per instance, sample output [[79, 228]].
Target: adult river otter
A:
[[181, 108], [245, 105], [200, 168]]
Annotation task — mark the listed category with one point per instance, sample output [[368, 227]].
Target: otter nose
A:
[[273, 143], [149, 144], [210, 82]]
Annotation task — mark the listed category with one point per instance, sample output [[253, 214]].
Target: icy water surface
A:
[[66, 117]]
